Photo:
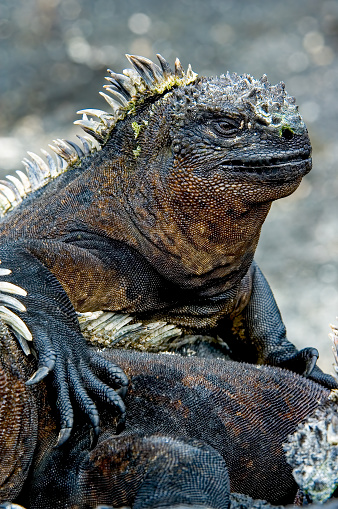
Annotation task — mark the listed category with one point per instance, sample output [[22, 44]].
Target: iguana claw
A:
[[310, 356], [39, 375], [302, 362], [9, 505], [64, 435]]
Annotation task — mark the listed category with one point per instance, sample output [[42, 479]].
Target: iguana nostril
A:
[[287, 133]]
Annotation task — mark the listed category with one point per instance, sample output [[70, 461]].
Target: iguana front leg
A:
[[261, 324], [42, 309]]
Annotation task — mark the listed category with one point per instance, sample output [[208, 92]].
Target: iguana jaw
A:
[[274, 172]]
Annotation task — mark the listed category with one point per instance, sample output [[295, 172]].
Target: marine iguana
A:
[[195, 429], [162, 222]]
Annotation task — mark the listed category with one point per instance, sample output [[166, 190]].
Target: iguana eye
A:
[[226, 127]]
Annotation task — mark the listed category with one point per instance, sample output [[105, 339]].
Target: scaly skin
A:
[[192, 426], [18, 417], [162, 222]]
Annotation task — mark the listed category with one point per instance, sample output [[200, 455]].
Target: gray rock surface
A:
[[312, 451], [53, 56]]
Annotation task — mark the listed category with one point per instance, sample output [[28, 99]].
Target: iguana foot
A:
[[324, 379], [43, 314], [76, 375], [301, 362]]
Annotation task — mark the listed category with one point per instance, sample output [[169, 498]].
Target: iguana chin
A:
[[162, 222]]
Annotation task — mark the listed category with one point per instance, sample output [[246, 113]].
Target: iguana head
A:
[[237, 130], [207, 156], [226, 131]]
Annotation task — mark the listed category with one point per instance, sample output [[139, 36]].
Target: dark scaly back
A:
[[245, 412]]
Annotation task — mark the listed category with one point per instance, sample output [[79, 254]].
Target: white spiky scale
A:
[[64, 145], [92, 111], [44, 168], [18, 184], [35, 176], [115, 106], [88, 123], [99, 319], [8, 193], [76, 147], [8, 317], [191, 75], [85, 145], [7, 188], [10, 288], [5, 272], [65, 151], [4, 201], [131, 74], [15, 322], [12, 302], [101, 114], [117, 94], [124, 320], [136, 81], [61, 163], [25, 181], [138, 63], [51, 163], [179, 71], [93, 144], [5, 205], [26, 350], [124, 81]]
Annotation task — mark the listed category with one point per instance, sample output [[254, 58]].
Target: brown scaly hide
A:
[[243, 412], [18, 417]]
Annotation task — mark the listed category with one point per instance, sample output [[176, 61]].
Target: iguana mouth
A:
[[256, 161], [274, 170]]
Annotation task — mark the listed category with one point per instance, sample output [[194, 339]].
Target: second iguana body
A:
[[162, 222], [195, 429]]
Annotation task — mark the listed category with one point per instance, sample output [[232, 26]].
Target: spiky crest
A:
[[130, 89], [9, 317], [105, 328], [127, 89]]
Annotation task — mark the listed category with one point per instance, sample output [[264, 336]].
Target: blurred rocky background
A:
[[53, 57]]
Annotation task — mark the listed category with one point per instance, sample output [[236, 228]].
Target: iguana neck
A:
[[195, 234]]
